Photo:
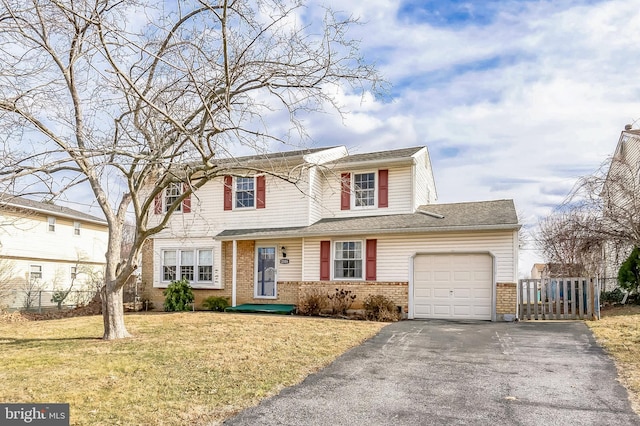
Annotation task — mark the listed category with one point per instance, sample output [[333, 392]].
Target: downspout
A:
[[234, 273]]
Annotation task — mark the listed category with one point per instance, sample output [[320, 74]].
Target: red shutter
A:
[[186, 203], [383, 188], [228, 194], [260, 192], [345, 198], [157, 203], [372, 254], [325, 260]]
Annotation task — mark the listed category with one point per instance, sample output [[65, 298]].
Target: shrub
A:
[[178, 296], [340, 301], [214, 303], [380, 308], [613, 297], [629, 273], [312, 302]]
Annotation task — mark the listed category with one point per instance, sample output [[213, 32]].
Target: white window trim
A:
[[31, 272], [195, 282], [375, 190], [77, 226], [73, 272], [255, 273], [165, 193], [363, 250], [235, 193]]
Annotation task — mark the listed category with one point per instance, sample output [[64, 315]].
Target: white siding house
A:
[[47, 248], [361, 222]]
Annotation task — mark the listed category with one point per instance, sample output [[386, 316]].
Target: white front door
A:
[[265, 285], [453, 286]]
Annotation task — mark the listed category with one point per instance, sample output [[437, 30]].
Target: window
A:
[[74, 272], [76, 228], [169, 265], [172, 193], [186, 265], [35, 272], [195, 265], [364, 189], [205, 265], [245, 193], [52, 224], [347, 259]]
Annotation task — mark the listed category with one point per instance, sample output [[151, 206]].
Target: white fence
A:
[[559, 299], [44, 300]]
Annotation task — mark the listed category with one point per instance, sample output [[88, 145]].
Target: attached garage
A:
[[453, 286]]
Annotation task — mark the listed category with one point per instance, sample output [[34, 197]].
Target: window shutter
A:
[[325, 260], [260, 192], [345, 197], [383, 188], [372, 251], [186, 203], [157, 203], [228, 194]]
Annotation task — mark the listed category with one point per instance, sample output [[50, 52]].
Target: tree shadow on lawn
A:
[[12, 341]]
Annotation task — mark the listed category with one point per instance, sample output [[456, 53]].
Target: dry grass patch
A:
[[183, 368], [619, 332]]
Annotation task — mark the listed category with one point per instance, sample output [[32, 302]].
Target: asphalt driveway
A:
[[438, 372]]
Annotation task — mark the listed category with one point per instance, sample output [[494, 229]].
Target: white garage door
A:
[[453, 286]]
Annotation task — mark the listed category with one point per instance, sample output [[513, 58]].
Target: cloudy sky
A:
[[514, 99]]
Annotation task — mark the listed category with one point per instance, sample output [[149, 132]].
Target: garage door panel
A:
[[453, 286]]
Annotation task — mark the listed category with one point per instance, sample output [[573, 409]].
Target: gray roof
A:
[[48, 208], [473, 216], [285, 158], [395, 154]]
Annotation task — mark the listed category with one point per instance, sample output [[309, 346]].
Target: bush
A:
[[613, 297], [312, 302], [214, 303], [178, 296], [380, 308], [340, 301], [629, 273]]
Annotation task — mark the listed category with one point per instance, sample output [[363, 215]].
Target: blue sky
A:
[[515, 99]]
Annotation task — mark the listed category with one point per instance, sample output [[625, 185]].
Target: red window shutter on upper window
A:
[[345, 196], [186, 203], [383, 188], [157, 204], [372, 254], [228, 194], [325, 260], [260, 192]]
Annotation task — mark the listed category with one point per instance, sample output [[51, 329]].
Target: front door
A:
[[265, 272]]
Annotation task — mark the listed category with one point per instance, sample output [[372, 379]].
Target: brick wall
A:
[[398, 292], [506, 299]]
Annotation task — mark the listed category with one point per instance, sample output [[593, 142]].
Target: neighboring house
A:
[[621, 194], [47, 248], [362, 222], [536, 270]]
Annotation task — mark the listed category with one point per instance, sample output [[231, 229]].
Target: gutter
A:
[[57, 214]]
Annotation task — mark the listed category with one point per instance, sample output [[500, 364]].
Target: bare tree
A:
[[130, 96]]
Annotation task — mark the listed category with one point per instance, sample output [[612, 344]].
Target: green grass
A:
[[182, 368]]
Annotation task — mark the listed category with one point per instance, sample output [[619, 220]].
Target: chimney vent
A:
[[627, 127]]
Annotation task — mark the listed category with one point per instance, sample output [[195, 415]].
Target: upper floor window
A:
[[245, 192], [52, 224], [76, 228], [35, 272], [172, 193], [364, 189], [74, 272], [347, 259]]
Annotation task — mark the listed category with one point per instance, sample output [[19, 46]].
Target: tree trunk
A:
[[113, 312]]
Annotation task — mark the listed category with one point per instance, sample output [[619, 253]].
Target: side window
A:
[[76, 228], [245, 192], [52, 224], [35, 272]]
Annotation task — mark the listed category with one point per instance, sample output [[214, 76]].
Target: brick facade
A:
[[506, 299]]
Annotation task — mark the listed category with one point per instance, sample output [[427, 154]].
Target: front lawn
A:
[[182, 368], [619, 333]]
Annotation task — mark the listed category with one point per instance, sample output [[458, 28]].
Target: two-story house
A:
[[46, 248], [363, 222]]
